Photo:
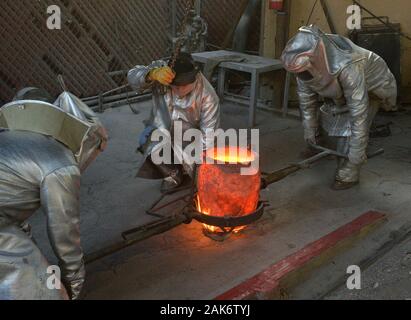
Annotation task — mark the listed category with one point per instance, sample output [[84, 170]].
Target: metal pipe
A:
[[245, 102], [115, 90], [173, 13], [106, 93], [198, 7], [286, 94], [242, 31], [130, 94], [139, 234], [326, 10], [120, 103], [292, 168], [165, 224], [118, 73]]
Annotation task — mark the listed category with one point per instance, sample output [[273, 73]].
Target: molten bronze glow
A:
[[223, 191], [231, 155]]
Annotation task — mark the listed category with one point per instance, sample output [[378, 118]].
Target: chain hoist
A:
[[189, 6]]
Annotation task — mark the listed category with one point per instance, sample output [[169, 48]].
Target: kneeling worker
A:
[[181, 94], [354, 84]]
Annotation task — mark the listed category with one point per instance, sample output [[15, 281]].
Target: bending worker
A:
[[44, 149], [353, 82], [183, 95]]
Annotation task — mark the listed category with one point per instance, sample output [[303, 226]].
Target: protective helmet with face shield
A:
[[95, 140], [317, 58], [85, 135]]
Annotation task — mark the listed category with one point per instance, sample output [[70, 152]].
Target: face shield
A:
[[315, 58], [305, 55], [95, 140], [305, 76], [296, 56]]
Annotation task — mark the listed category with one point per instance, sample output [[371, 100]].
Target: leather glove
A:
[[163, 75]]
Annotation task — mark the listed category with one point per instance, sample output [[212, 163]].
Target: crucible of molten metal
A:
[[223, 190], [220, 187]]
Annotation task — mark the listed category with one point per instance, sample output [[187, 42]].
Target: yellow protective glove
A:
[[163, 75]]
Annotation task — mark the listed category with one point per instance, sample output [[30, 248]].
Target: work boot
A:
[[347, 176], [340, 185]]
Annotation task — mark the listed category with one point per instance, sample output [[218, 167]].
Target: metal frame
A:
[[254, 65]]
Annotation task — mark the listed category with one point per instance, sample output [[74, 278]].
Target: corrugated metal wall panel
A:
[[97, 36]]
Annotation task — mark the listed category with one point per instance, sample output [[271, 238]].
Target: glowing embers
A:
[[223, 191]]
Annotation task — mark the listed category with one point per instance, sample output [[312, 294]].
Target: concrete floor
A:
[[182, 263], [387, 279]]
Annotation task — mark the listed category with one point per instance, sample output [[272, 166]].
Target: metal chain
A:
[[189, 6]]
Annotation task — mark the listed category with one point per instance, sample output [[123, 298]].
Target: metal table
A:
[[255, 65]]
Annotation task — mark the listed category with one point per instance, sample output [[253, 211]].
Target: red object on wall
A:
[[277, 5]]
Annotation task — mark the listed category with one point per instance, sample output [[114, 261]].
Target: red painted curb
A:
[[268, 281]]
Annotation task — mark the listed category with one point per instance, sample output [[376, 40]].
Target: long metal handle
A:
[[329, 151], [136, 235], [285, 172], [371, 155]]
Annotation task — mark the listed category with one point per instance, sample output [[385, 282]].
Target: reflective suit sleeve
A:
[[210, 117], [60, 200], [138, 76], [309, 106], [353, 82]]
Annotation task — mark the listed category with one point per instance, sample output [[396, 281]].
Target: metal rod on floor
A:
[[292, 168], [139, 234]]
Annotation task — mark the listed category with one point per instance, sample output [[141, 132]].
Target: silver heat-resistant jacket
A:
[[37, 171], [344, 73], [200, 109]]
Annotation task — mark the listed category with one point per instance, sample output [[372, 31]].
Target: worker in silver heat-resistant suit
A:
[[181, 94], [43, 150], [353, 82]]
